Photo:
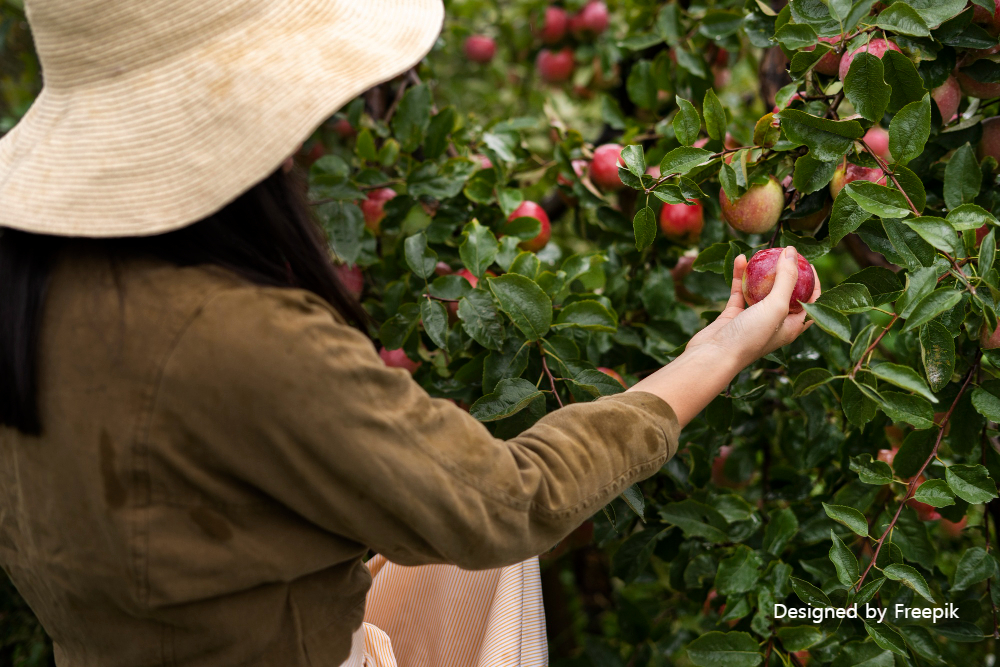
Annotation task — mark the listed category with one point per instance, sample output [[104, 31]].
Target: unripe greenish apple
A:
[[948, 96], [604, 167], [876, 47], [760, 274], [989, 145], [530, 209], [682, 222], [758, 210]]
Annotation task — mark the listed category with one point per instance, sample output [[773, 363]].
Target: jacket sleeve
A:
[[287, 398]]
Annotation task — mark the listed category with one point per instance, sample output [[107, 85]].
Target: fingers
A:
[[787, 274], [736, 291], [817, 288]]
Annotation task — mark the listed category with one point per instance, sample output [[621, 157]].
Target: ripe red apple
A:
[[758, 210], [989, 340], [948, 96], [480, 48], [351, 278], [484, 162], [530, 209], [876, 47], [592, 19], [614, 374], [761, 271], [555, 66], [810, 222], [556, 24], [990, 21], [604, 167], [398, 359], [579, 168], [373, 208], [682, 222], [852, 172], [953, 529], [887, 455], [442, 269], [989, 145], [344, 128], [829, 64], [975, 88], [878, 140]]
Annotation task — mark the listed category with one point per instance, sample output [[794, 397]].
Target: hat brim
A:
[[157, 149]]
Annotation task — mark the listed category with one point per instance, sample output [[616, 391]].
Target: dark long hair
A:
[[267, 236]]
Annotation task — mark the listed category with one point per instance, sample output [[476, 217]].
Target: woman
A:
[[198, 445]]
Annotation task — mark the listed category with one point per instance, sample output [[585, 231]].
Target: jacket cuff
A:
[[654, 408]]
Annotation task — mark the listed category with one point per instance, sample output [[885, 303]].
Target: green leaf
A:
[[682, 160], [971, 483], [931, 306], [905, 377], [936, 493], [871, 471], [510, 397], [419, 257], [644, 225], [398, 328], [827, 139], [808, 593], [883, 285], [909, 130], [845, 561], [858, 406], [937, 352], [868, 591], [526, 264], [733, 508], [479, 248], [799, 638], [718, 24], [914, 410], [795, 36], [413, 116], [588, 314], [909, 577], [846, 217], [715, 116], [986, 400], [921, 642], [987, 252], [712, 258], [597, 383], [970, 216], [848, 516], [847, 298], [829, 320], [725, 649], [508, 362], [811, 174], [346, 226], [687, 122], [633, 498], [962, 177], [634, 160], [878, 199], [525, 303], [524, 228], [641, 85], [481, 320], [903, 19], [434, 316], [450, 287], [809, 380], [696, 520], [738, 573], [365, 146], [976, 565], [886, 637], [779, 531], [857, 654], [441, 127], [866, 88], [937, 232], [902, 76]]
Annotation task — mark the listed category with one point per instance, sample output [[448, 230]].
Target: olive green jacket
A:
[[218, 457]]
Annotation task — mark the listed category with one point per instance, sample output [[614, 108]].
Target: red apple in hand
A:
[[351, 278], [556, 24], [480, 48], [604, 167], [398, 359], [851, 172], [373, 208], [758, 210], [760, 273], [530, 209], [682, 222], [876, 47], [555, 66], [614, 374]]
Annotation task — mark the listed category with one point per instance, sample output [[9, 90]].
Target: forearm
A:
[[692, 380]]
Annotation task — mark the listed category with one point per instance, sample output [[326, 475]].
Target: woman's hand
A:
[[764, 327], [737, 338]]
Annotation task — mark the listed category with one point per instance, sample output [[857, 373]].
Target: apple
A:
[[719, 477], [373, 208], [343, 128], [981, 234], [810, 222], [579, 168], [948, 96], [530, 209], [850, 172], [887, 455], [556, 24], [484, 162], [989, 340], [803, 657], [682, 222], [398, 359], [829, 64], [442, 269], [878, 140], [983, 15], [351, 278], [604, 167], [480, 48], [555, 66], [760, 273], [592, 19], [876, 47], [614, 374], [975, 88], [989, 145], [953, 529], [758, 210]]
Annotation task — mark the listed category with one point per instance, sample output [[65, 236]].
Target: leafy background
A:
[[857, 464]]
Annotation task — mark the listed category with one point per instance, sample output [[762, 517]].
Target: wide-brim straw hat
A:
[[158, 113]]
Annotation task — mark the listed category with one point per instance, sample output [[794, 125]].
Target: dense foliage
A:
[[858, 464]]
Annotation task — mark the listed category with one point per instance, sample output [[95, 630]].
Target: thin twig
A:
[[874, 344], [395, 103], [552, 379]]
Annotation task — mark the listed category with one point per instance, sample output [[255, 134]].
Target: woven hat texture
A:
[[157, 113]]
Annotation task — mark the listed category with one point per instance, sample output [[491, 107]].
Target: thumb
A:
[[787, 274]]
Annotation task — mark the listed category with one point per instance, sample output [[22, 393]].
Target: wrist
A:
[[724, 361]]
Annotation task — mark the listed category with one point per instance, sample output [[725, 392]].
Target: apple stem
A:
[[911, 489]]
